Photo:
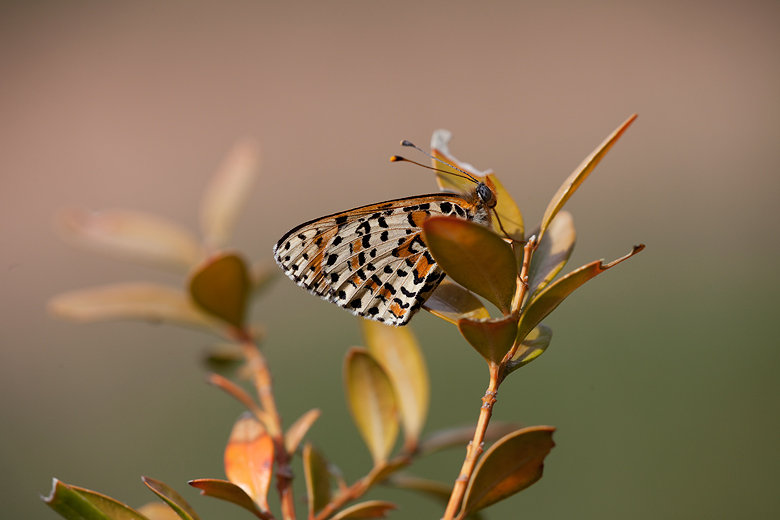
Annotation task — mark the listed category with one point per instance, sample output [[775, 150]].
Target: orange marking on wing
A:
[[398, 311], [418, 217], [405, 250], [385, 293], [423, 267]]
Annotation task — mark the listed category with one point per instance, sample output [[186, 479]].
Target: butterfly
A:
[[373, 260]]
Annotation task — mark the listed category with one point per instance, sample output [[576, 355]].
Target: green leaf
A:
[[372, 402], [296, 432], [552, 253], [227, 193], [475, 257], [491, 338], [315, 471], [220, 286], [460, 436], [552, 296], [249, 458], [531, 348], [132, 301], [509, 466], [228, 491], [131, 236], [172, 498], [396, 349], [508, 212], [451, 302], [75, 503], [369, 509], [579, 175]]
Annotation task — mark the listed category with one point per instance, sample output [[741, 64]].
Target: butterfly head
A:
[[486, 192]]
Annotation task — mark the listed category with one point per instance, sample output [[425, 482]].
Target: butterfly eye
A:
[[486, 195]]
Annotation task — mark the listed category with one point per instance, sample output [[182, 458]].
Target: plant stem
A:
[[475, 447], [261, 377]]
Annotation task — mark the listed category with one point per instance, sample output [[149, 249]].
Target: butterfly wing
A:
[[372, 260]]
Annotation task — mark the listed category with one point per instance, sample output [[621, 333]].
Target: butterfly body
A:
[[373, 260]]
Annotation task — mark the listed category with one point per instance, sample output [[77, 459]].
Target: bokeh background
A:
[[662, 375]]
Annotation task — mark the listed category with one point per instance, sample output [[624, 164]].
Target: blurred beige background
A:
[[662, 374]]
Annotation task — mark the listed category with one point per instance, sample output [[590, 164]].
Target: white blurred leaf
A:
[[132, 236], [227, 193]]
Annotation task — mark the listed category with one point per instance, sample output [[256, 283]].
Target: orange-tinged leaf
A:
[[174, 500], [534, 344], [549, 298], [397, 350], [249, 458], [220, 286], [510, 465], [552, 253], [491, 338], [508, 212], [460, 436], [315, 470], [75, 503], [132, 301], [228, 491], [296, 432], [372, 402], [227, 193], [579, 175], [475, 257], [369, 509], [158, 511], [131, 235], [452, 302]]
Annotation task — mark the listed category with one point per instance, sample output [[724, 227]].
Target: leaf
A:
[[131, 301], [220, 286], [531, 348], [315, 470], [439, 491], [509, 466], [172, 498], [491, 338], [75, 503], [460, 436], [223, 357], [158, 511], [552, 296], [399, 354], [296, 432], [228, 491], [132, 236], [579, 175], [381, 472], [227, 193], [451, 302], [369, 509], [508, 212], [249, 458], [552, 253], [475, 257], [371, 402]]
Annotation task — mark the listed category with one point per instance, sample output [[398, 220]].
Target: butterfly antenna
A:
[[467, 174]]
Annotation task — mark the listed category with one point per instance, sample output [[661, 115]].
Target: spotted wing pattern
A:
[[372, 260]]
